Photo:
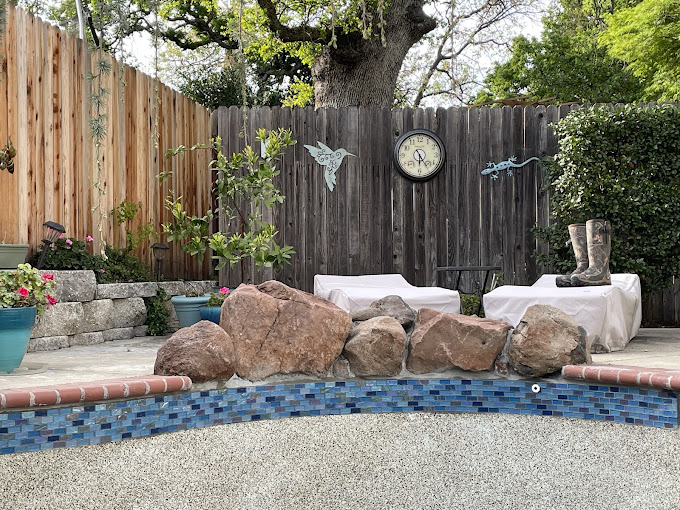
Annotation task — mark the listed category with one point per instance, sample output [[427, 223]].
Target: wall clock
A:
[[419, 154]]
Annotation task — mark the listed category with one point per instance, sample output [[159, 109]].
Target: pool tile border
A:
[[48, 428], [93, 391]]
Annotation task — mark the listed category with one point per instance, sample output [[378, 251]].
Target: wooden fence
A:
[[376, 221], [45, 110]]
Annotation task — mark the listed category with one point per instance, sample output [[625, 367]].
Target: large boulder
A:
[[376, 347], [279, 330], [390, 306], [441, 341], [545, 340], [202, 352]]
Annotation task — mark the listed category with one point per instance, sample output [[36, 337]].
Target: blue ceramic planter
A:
[[187, 309], [210, 313], [15, 332]]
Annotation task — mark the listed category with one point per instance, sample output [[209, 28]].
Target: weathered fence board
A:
[[45, 110], [375, 221]]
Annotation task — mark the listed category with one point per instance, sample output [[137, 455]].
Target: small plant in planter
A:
[[24, 296], [212, 310]]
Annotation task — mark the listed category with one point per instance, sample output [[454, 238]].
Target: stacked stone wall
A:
[[90, 313]]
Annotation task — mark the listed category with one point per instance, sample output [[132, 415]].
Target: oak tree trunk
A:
[[363, 72]]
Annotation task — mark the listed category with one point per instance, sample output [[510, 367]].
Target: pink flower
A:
[[69, 242], [51, 300], [61, 236], [23, 292], [101, 270], [47, 276], [89, 238], [224, 290]]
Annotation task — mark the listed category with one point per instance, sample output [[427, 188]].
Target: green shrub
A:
[[121, 266], [67, 255], [622, 165], [157, 313]]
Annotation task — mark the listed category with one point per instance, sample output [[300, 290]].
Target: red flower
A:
[[48, 276], [51, 300], [23, 292]]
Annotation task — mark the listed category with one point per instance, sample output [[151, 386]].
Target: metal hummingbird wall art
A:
[[329, 159], [494, 169]]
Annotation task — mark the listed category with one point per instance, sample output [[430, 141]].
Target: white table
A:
[[610, 314], [357, 292]]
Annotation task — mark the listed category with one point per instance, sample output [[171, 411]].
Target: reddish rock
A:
[[276, 329], [202, 352], [376, 347], [441, 341], [545, 340]]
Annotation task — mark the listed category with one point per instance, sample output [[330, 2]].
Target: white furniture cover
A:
[[610, 314], [357, 292]]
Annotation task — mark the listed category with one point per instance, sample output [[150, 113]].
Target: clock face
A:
[[419, 154]]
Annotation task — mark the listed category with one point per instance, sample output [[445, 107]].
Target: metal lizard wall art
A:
[[508, 165], [329, 159]]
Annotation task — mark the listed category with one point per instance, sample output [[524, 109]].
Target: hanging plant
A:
[[98, 121]]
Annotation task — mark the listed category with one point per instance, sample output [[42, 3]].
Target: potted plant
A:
[[212, 310], [187, 306], [243, 188], [24, 296], [11, 255]]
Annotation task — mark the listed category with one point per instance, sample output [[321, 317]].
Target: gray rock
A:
[[62, 319], [365, 314], [97, 315], [376, 347], [74, 286], [200, 287], [118, 334], [395, 306], [341, 369], [87, 338], [172, 320], [129, 312], [203, 352], [172, 288], [545, 340], [140, 330], [126, 290], [47, 343]]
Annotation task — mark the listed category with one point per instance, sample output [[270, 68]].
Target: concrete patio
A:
[[651, 348]]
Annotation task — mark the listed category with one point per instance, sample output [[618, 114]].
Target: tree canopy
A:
[[352, 51], [647, 37], [568, 63]]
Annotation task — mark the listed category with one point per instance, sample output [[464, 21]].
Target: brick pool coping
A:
[[131, 387], [660, 378], [91, 391]]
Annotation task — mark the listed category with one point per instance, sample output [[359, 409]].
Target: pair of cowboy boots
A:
[[592, 246]]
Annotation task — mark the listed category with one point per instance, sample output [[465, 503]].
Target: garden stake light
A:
[[160, 250], [52, 232]]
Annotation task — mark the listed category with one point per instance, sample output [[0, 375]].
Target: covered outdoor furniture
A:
[[610, 314], [357, 292]]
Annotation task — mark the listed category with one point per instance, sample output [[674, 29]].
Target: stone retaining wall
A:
[[90, 313]]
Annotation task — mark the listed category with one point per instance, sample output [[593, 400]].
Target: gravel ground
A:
[[390, 461]]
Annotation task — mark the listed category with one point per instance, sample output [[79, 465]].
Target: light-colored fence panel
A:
[[45, 110]]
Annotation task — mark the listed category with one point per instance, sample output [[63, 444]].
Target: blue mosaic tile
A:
[[114, 421]]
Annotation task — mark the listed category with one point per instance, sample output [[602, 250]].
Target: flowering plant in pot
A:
[[25, 295], [213, 308]]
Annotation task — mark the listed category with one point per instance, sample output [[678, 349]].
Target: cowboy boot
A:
[[577, 234], [599, 249]]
